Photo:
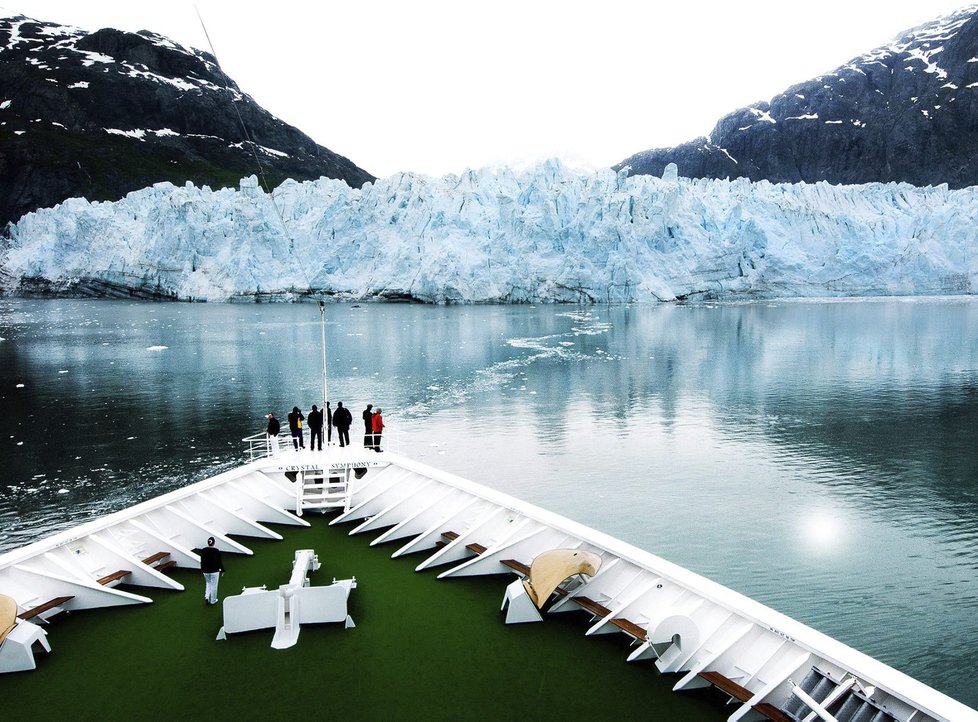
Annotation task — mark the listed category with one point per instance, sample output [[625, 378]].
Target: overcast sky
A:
[[437, 87]]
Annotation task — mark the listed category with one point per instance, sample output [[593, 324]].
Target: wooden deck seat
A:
[[152, 559], [592, 606], [114, 576], [516, 566], [631, 628], [41, 608], [743, 694], [165, 565], [452, 536]]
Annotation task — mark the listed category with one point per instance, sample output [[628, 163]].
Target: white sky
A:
[[437, 87]]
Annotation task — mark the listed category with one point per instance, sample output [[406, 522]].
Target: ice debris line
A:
[[548, 234]]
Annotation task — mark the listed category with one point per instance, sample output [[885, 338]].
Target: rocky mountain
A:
[[905, 112], [98, 115]]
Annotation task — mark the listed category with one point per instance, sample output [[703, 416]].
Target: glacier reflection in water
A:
[[819, 456]]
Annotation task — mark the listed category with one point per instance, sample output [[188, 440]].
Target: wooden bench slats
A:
[[771, 712], [473, 547], [592, 606], [109, 578], [631, 628], [156, 557], [727, 685], [743, 694], [41, 608], [516, 566], [166, 565]]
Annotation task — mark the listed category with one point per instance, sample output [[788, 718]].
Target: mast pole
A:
[[322, 325]]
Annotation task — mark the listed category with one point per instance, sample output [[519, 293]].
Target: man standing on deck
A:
[[329, 424], [342, 418], [272, 432], [212, 567], [368, 427], [295, 426], [315, 420]]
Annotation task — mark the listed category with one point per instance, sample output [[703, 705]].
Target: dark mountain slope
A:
[[101, 114], [904, 112]]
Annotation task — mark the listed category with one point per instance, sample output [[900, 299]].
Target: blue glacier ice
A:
[[547, 234]]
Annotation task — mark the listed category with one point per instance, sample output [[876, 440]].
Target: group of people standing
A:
[[340, 418]]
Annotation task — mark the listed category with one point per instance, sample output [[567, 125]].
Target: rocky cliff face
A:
[[906, 112], [98, 115]]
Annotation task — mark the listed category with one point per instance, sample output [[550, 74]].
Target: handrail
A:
[[260, 446]]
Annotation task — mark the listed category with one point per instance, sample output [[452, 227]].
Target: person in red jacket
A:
[[378, 425]]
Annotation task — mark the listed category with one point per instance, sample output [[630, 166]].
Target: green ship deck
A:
[[422, 648]]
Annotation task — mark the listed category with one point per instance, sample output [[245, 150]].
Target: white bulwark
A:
[[770, 665]]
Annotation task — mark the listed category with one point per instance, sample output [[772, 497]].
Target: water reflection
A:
[[817, 456]]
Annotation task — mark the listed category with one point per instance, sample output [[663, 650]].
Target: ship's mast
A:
[[322, 324]]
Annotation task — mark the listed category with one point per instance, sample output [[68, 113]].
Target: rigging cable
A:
[[254, 151]]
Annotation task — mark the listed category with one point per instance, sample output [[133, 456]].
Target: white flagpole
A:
[[322, 319]]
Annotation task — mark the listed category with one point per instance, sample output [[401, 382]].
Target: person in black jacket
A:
[[342, 418], [295, 426], [315, 420], [329, 424], [272, 432], [368, 427], [212, 567]]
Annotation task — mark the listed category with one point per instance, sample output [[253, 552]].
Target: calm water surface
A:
[[820, 457]]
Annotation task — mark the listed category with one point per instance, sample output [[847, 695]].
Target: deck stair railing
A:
[[827, 693], [320, 489]]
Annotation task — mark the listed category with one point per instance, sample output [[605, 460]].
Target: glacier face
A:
[[548, 234]]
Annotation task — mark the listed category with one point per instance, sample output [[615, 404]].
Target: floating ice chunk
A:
[[20, 386], [157, 348]]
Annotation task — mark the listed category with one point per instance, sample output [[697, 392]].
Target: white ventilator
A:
[[290, 606], [525, 597], [17, 638]]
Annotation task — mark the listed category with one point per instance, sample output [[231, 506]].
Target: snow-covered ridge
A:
[[546, 234], [67, 39]]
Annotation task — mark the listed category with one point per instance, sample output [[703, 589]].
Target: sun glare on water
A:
[[823, 532]]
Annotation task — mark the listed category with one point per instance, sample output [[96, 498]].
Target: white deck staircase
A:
[[322, 489]]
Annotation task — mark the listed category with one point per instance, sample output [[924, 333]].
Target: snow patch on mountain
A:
[[548, 234]]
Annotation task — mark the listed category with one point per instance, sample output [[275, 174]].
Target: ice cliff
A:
[[549, 234]]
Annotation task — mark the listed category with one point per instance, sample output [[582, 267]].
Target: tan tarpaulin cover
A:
[[551, 568], [8, 615]]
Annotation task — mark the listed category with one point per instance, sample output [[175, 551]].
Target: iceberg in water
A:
[[548, 234]]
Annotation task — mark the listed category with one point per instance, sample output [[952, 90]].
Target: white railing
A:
[[261, 446], [258, 446]]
